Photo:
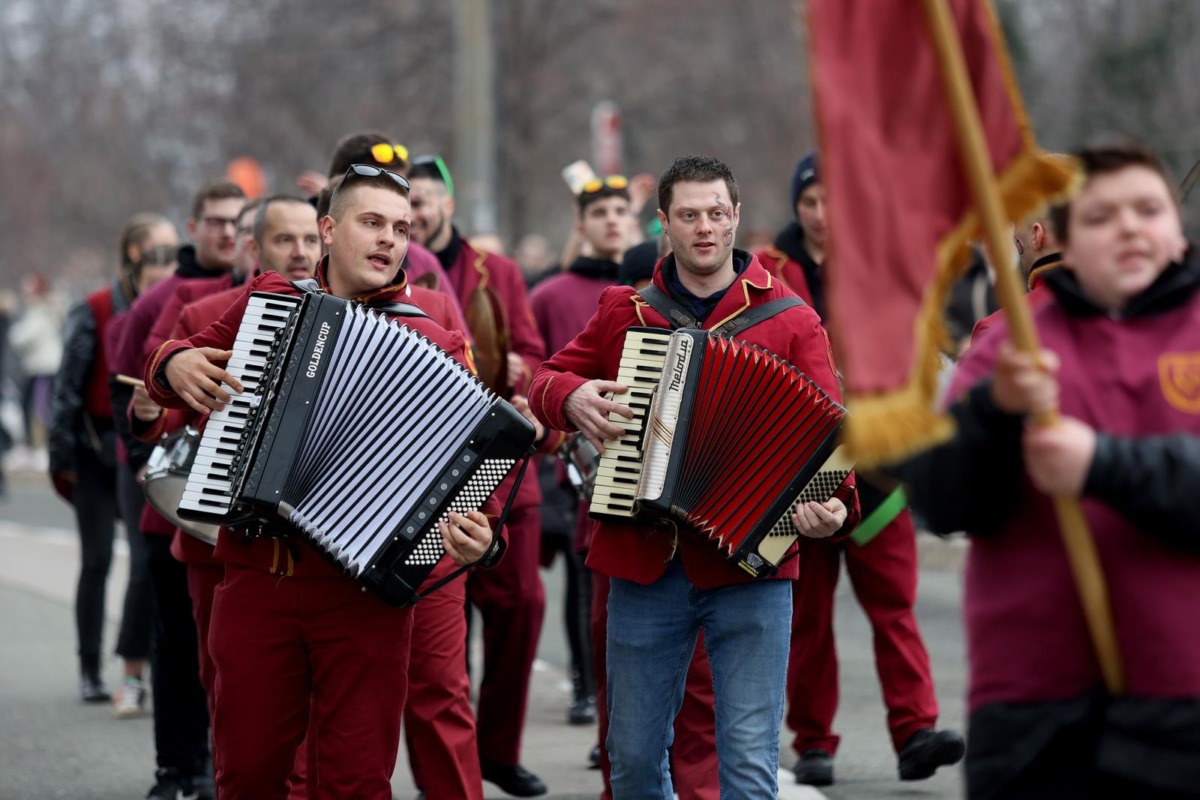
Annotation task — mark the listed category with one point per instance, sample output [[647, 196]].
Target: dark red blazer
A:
[[640, 553]]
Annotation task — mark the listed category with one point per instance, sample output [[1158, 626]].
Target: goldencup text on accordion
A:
[[726, 440], [358, 433]]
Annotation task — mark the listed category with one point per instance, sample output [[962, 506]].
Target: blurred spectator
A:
[[36, 339], [8, 306], [488, 243], [533, 257]]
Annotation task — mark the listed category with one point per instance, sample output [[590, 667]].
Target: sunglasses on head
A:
[[612, 182], [159, 256], [385, 153], [442, 170], [368, 171]]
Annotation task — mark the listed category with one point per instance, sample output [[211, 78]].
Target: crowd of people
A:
[[273, 675]]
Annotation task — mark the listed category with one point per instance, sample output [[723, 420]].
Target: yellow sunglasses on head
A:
[[612, 182], [385, 153]]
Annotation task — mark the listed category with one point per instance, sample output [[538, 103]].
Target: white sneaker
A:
[[131, 699]]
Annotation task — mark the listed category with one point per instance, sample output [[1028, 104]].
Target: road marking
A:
[[790, 790]]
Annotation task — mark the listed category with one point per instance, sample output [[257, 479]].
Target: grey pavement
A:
[[52, 746]]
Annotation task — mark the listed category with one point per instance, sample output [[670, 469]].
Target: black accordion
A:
[[357, 433], [726, 440]]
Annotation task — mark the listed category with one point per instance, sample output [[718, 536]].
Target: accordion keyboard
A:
[[620, 467], [210, 486]]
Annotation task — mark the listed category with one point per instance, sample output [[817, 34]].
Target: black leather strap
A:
[[680, 317], [669, 308], [310, 286]]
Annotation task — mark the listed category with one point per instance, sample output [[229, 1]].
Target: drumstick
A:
[[129, 381]]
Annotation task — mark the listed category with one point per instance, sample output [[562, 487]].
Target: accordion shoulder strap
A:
[[310, 286], [669, 308], [757, 314], [680, 317], [397, 309]]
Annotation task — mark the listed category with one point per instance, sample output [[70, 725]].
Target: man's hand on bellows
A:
[[588, 410], [820, 520], [466, 538], [196, 378]]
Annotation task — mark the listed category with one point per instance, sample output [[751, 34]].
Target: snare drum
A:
[[166, 476], [582, 460]]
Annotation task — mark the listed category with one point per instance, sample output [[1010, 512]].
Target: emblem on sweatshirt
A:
[[1179, 376]]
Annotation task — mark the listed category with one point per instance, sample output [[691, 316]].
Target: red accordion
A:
[[726, 440]]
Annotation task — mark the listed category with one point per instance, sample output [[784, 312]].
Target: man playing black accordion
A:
[[292, 637]]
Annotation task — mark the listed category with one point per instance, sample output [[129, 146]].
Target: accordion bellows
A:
[[358, 432], [726, 439]]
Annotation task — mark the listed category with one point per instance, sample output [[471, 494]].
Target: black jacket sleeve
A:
[[1153, 481], [137, 452], [973, 482], [69, 395]]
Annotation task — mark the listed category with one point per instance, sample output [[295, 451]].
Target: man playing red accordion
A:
[[666, 587]]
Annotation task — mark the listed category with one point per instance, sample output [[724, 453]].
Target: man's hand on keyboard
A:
[[196, 378], [588, 410]]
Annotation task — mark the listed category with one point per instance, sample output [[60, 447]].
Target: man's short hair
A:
[[605, 191], [341, 190], [1102, 160], [359, 148], [214, 190], [251, 207], [260, 219], [698, 169]]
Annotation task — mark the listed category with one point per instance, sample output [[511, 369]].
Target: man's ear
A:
[[328, 223], [662, 219], [1037, 236]]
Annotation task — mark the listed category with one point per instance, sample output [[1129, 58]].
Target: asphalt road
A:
[[52, 746]]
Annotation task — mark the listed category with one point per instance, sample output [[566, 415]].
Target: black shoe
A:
[[582, 711], [926, 750], [168, 785], [814, 768], [92, 690], [514, 780], [594, 758]]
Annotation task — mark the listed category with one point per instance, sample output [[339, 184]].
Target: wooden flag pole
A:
[[1080, 547]]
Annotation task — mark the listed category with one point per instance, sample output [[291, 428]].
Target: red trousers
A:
[[694, 753], [202, 581], [883, 574], [439, 723], [290, 649], [512, 601]]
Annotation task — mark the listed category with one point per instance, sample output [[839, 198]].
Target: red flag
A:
[[900, 208]]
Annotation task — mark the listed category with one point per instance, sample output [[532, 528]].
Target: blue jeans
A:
[[652, 632]]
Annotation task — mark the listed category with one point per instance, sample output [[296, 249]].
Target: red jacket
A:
[[479, 275], [640, 553], [786, 269], [272, 555]]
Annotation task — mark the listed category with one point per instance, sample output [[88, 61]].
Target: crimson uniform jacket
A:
[[476, 270], [639, 553], [1033, 669], [788, 260], [186, 293], [268, 554], [1038, 295]]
